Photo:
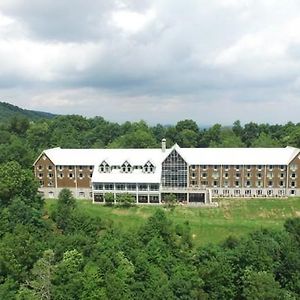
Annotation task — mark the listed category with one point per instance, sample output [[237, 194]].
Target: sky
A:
[[213, 61]]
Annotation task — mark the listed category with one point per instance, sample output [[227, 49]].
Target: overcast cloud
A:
[[160, 60]]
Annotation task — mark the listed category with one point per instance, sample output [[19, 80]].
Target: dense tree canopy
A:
[[65, 253]]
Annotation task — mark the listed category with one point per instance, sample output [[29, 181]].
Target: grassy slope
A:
[[235, 217]]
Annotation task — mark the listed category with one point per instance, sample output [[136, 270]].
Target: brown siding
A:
[[45, 168], [295, 162]]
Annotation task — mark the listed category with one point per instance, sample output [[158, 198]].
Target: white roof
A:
[[137, 176], [238, 156], [88, 157], [139, 157]]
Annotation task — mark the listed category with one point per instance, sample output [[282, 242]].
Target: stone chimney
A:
[[163, 145]]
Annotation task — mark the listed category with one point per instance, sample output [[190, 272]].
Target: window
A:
[[193, 167], [204, 167], [226, 167], [225, 183], [293, 184], [204, 175], [237, 167], [248, 184], [281, 175], [259, 183], [61, 175], [81, 194], [293, 175], [248, 168], [237, 192], [143, 187], [70, 168], [259, 192], [193, 175], [215, 183], [215, 168], [98, 186], [81, 176], [237, 183], [193, 182], [247, 193], [270, 192], [154, 199], [259, 175], [226, 175], [91, 168], [237, 175], [248, 175], [204, 182], [126, 167], [104, 167], [41, 183], [131, 187], [109, 186], [91, 175], [50, 175], [50, 183], [154, 187], [259, 167], [71, 175], [281, 183], [270, 183], [215, 192], [49, 168], [148, 167], [80, 168], [226, 192], [293, 192], [293, 167], [60, 168], [40, 175], [40, 167], [282, 168], [120, 186], [270, 168]]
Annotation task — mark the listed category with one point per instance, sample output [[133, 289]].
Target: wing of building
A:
[[194, 175]]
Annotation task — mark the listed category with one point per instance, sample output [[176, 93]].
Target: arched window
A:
[[148, 167], [126, 167], [104, 167]]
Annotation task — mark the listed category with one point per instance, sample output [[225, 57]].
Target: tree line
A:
[[22, 140], [61, 252]]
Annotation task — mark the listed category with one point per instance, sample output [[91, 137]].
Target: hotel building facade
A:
[[194, 175]]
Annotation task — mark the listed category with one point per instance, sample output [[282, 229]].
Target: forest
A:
[[64, 253]]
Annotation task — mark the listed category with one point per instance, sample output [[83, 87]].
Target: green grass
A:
[[235, 217]]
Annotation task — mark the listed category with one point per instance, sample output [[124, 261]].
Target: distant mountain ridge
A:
[[8, 110]]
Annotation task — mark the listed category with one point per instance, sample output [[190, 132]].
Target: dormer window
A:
[[104, 167], [148, 167], [126, 167]]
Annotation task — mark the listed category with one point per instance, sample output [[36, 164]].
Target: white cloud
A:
[[159, 60], [130, 21]]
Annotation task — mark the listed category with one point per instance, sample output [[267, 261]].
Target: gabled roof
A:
[[193, 156]]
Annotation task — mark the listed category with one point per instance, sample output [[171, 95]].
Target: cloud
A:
[[157, 60]]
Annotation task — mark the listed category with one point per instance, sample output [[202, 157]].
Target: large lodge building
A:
[[194, 175]]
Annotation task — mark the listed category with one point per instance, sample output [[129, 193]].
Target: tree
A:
[[170, 200], [65, 205], [261, 285], [14, 181], [265, 141], [42, 272], [109, 198], [126, 199]]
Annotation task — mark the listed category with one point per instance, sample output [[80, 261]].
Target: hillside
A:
[[234, 217], [8, 110]]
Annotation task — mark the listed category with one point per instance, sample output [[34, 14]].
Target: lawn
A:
[[235, 217]]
